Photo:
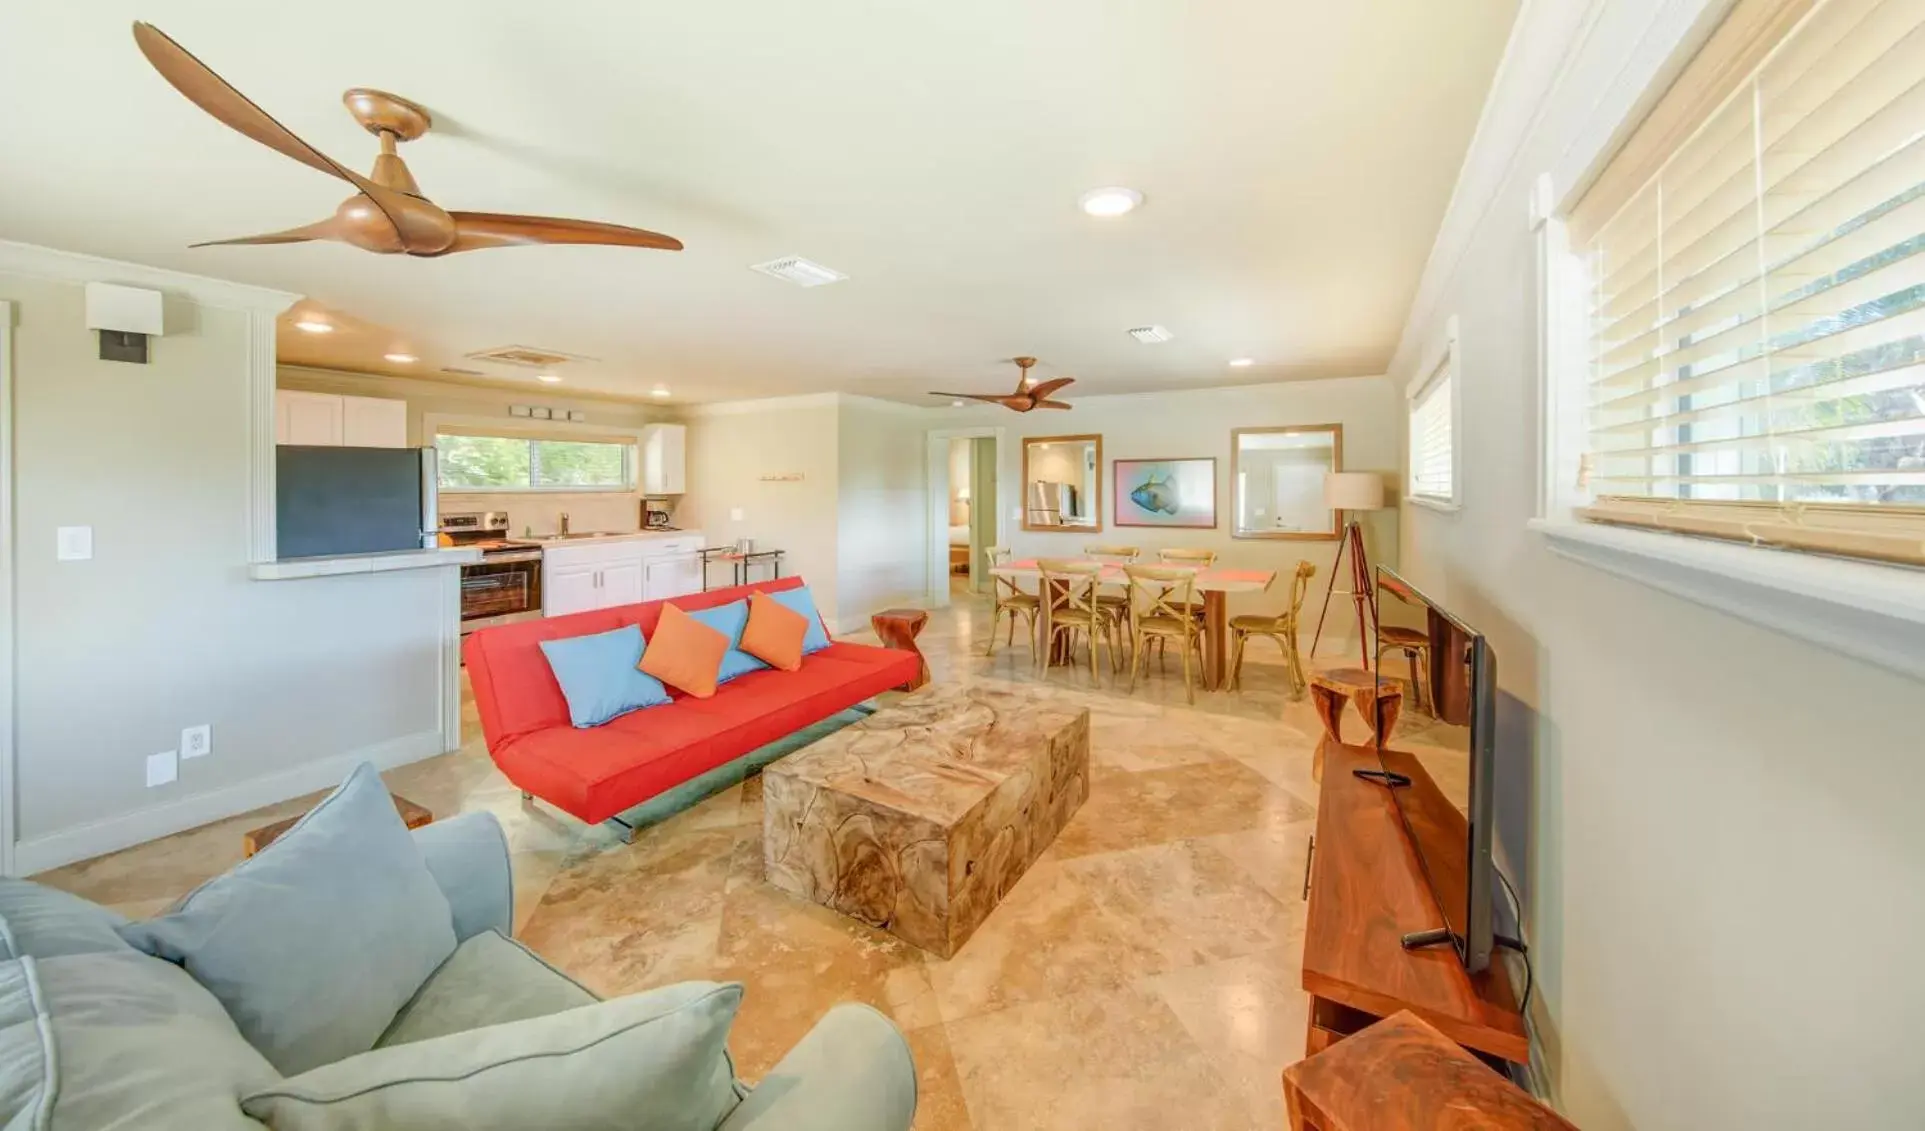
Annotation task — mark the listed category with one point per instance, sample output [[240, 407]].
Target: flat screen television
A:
[[1446, 666]]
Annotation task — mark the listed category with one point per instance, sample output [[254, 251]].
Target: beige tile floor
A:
[[1143, 974]]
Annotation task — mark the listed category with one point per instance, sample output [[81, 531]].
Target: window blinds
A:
[[1431, 455], [1757, 308]]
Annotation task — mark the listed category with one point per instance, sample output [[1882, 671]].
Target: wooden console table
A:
[[1367, 890]]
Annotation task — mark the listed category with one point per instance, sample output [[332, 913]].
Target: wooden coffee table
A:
[[918, 819], [412, 815]]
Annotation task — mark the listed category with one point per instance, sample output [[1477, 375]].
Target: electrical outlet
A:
[[162, 768], [197, 742], [737, 514], [73, 543]]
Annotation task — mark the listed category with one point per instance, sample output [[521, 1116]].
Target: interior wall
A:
[[958, 481], [538, 513], [881, 510], [1716, 824], [1197, 422], [163, 629], [734, 450]]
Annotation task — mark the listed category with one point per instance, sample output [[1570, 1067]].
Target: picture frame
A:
[[1176, 494]]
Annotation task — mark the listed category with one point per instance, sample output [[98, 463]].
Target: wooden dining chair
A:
[[1414, 643], [1011, 601], [1282, 628], [1159, 598], [1117, 605], [1194, 558], [1069, 607]]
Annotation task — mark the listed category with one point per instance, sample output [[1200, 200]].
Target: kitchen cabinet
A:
[[569, 589], [587, 575], [622, 583], [674, 571], [331, 421], [664, 459]]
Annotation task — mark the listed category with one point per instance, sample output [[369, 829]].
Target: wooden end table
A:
[[1401, 1073], [412, 815], [1379, 704], [898, 629]]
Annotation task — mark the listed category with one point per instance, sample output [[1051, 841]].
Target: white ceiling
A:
[[1295, 155]]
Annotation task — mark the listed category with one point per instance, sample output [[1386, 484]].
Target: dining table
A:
[[1215, 583]]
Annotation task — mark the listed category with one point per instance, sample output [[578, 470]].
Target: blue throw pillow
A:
[[598, 675], [799, 599], [730, 620], [314, 944]]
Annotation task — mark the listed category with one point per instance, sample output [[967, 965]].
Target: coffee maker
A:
[[658, 514]]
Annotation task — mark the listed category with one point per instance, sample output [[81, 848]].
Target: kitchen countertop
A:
[[594, 539], [295, 568]]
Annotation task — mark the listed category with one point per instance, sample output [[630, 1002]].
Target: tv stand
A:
[[1367, 889], [1382, 777]]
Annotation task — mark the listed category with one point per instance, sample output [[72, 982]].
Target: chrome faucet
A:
[[564, 522]]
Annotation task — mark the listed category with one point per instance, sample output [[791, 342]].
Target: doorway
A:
[[965, 504]]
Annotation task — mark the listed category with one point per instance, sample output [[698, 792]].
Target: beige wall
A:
[[880, 507], [1198, 423], [540, 512], [1717, 825], [163, 628], [958, 481]]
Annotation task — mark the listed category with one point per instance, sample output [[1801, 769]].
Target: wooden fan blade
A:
[[1052, 404], [986, 399], [476, 230], [1043, 390], [321, 230], [423, 227]]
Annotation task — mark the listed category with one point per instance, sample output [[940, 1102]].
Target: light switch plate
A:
[[74, 543], [737, 514], [197, 742], [162, 768]]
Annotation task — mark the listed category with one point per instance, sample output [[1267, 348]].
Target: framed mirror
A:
[[1063, 483], [1276, 478]]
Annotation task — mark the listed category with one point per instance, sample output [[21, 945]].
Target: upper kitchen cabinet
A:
[[664, 459], [331, 421]]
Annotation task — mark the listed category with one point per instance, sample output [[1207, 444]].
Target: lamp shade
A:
[[1353, 491]]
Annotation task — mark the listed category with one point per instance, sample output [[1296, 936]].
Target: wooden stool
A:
[[412, 815], [1401, 1074], [1378, 704], [898, 629]]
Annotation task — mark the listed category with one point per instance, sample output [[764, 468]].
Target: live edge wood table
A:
[[1367, 890], [412, 815], [1401, 1074], [918, 819]]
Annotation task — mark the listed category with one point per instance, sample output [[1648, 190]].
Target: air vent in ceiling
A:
[[1151, 334], [527, 357], [800, 271], [460, 372]]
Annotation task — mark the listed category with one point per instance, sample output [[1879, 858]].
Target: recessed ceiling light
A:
[[314, 326], [955, 404], [401, 358], [1112, 201], [658, 391], [548, 378], [1242, 362], [1151, 334]]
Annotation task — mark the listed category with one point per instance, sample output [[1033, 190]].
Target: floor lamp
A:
[[1349, 492]]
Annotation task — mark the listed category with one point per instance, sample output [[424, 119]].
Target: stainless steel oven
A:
[[505, 585]]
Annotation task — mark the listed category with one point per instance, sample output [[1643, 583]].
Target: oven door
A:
[[500, 590]]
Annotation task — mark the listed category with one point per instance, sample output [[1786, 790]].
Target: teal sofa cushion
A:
[[27, 1086], [488, 980], [317, 942], [45, 922], [802, 601], [599, 677], [656, 1060], [730, 620]]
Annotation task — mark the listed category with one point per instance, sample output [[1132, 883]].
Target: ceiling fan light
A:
[[1242, 362], [1110, 201], [658, 391], [401, 358], [314, 326], [548, 378]]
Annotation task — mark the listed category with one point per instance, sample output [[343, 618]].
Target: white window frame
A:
[[630, 439], [1442, 358]]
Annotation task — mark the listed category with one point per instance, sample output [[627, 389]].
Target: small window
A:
[[1433, 428], [517, 463]]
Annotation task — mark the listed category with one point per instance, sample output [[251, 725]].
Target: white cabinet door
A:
[[570, 589], [672, 576], [307, 418], [622, 583], [664, 459], [374, 422]]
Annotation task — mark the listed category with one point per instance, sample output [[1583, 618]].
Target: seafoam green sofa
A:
[[99, 1036]]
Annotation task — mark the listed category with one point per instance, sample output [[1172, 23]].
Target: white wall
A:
[[958, 480], [882, 540], [1718, 825], [163, 628], [1198, 423], [539, 512]]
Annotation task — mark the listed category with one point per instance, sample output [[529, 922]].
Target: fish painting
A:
[[1154, 494]]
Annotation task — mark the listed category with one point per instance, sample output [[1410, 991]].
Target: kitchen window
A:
[[475, 461]]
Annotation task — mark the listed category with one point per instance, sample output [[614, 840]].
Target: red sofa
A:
[[598, 772]]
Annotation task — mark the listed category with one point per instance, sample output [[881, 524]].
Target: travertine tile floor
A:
[[1143, 974]]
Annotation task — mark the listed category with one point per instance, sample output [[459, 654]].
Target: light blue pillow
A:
[[598, 675], [317, 942], [730, 620], [802, 601]]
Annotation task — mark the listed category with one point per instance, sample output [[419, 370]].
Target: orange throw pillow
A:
[[684, 653], [775, 633]]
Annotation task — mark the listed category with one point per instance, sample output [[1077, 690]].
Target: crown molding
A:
[[72, 267], [764, 404]]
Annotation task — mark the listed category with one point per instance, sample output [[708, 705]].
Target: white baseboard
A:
[[97, 838]]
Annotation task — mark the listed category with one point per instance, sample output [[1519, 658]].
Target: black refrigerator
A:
[[333, 500]]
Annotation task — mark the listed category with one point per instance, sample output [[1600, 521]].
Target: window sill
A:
[[1442, 506], [1870, 612]]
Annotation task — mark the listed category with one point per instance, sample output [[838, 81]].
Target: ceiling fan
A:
[[1026, 396], [387, 214]]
